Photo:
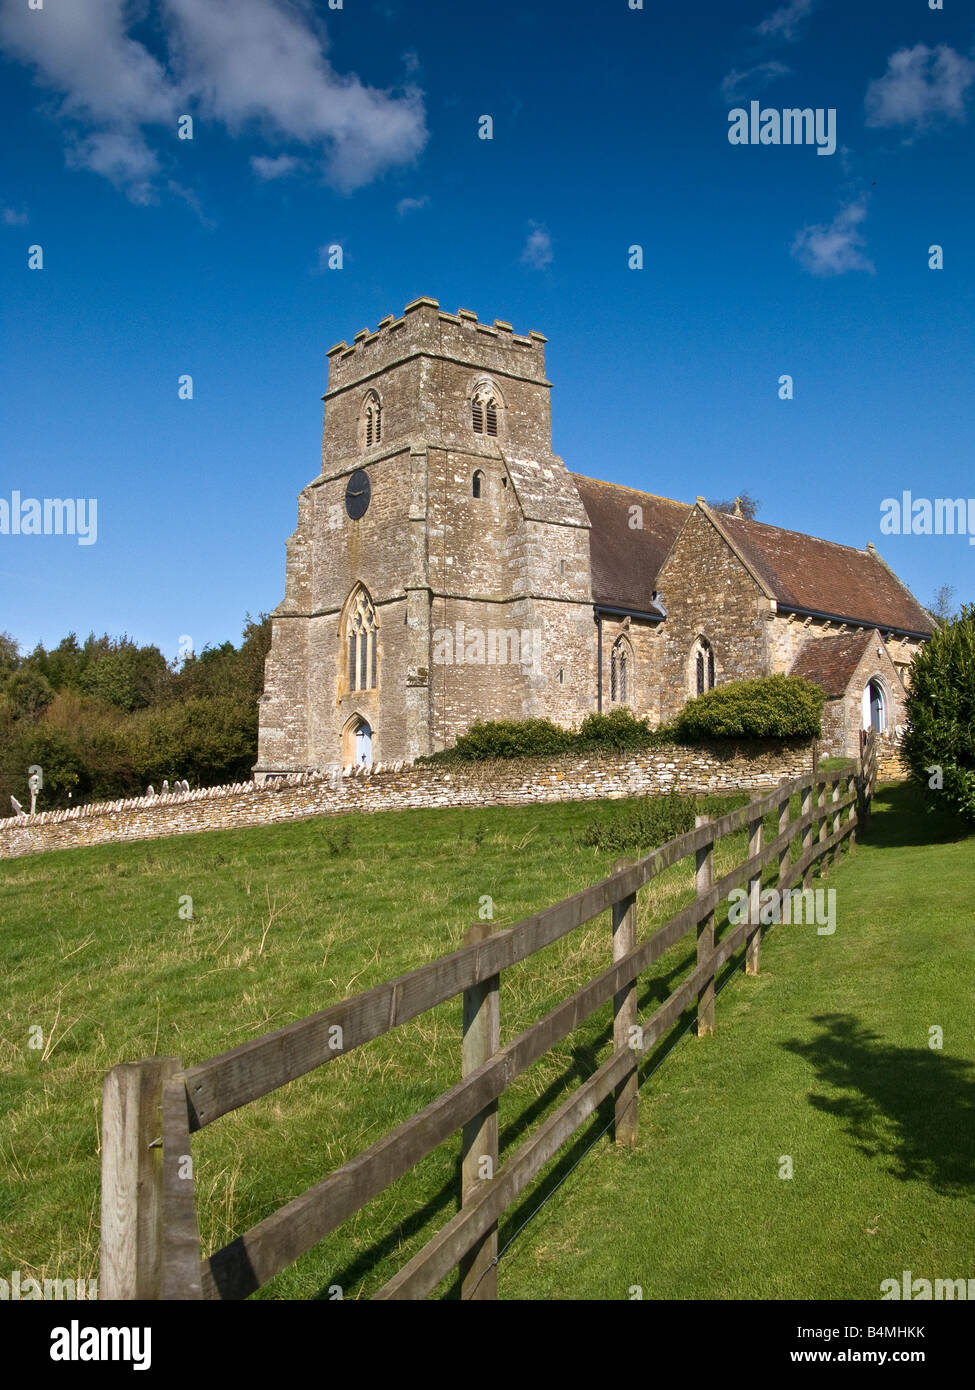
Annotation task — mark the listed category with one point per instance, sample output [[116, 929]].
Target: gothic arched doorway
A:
[[874, 707], [357, 742]]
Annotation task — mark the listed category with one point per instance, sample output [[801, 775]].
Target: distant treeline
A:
[[106, 717]]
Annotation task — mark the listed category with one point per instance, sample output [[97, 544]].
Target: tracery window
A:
[[703, 666], [620, 671], [361, 630]]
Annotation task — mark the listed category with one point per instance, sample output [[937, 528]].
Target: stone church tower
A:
[[447, 568], [441, 560]]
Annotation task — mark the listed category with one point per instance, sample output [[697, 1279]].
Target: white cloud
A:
[[109, 85], [836, 247], [254, 65], [920, 85], [278, 166], [538, 248], [83, 52], [786, 22], [261, 63], [406, 205], [121, 156], [737, 84], [11, 218]]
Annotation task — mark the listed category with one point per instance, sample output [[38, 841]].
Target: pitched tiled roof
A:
[[816, 576], [625, 561], [831, 661]]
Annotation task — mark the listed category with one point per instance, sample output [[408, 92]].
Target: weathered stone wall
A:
[[430, 554], [707, 592], [501, 783]]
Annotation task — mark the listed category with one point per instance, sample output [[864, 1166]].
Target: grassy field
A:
[[824, 1057]]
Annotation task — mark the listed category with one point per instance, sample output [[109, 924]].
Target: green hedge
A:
[[939, 740], [769, 707], [619, 731]]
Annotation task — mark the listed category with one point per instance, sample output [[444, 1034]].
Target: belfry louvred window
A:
[[361, 639], [484, 411], [373, 420]]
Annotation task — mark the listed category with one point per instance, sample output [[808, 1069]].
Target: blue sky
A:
[[359, 126]]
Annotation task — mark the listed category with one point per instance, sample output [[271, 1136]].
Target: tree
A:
[[28, 694], [743, 505], [9, 656], [942, 606], [939, 739]]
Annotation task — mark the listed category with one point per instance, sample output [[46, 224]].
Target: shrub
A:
[[643, 824], [507, 738], [769, 707], [617, 732], [939, 740]]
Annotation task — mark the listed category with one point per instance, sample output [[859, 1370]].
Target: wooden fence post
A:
[[754, 947], [705, 933], [784, 817], [837, 822], [479, 1146], [626, 1125], [851, 814], [181, 1257], [130, 1256], [805, 807], [823, 827]]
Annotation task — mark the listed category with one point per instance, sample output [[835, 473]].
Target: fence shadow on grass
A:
[[582, 1062], [913, 1107]]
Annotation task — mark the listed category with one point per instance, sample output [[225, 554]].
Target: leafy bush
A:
[[939, 739], [618, 732], [769, 707], [106, 717], [642, 825], [507, 738]]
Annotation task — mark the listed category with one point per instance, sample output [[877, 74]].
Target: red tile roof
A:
[[817, 576], [831, 661], [625, 560], [801, 572]]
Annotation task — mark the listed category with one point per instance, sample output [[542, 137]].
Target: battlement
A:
[[424, 328]]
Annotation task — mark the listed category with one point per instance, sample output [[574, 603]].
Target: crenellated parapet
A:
[[424, 329]]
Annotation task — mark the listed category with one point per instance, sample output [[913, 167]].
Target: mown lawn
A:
[[820, 1058], [825, 1058]]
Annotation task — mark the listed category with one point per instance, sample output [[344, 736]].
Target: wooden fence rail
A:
[[150, 1244]]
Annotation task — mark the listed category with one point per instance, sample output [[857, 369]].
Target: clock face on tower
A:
[[357, 494]]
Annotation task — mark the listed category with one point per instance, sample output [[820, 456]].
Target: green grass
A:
[[824, 1057], [289, 919]]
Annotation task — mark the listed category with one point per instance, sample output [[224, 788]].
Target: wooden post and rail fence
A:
[[150, 1243]]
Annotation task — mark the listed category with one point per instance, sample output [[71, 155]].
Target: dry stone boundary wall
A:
[[702, 769]]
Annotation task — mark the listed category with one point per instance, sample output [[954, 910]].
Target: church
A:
[[447, 567]]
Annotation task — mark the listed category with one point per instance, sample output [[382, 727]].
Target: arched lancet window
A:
[[484, 409], [620, 671], [702, 667], [477, 487], [372, 420], [361, 630]]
